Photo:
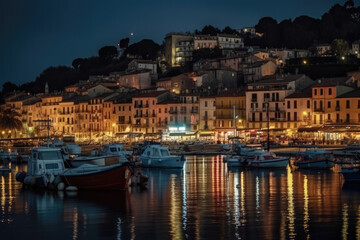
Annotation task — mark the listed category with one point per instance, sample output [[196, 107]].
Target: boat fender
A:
[[71, 189], [126, 174], [60, 186], [20, 176], [57, 180], [51, 178]]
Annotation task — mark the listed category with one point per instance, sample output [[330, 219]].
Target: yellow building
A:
[[230, 114]]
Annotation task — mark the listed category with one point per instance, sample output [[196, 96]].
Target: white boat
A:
[[158, 156], [109, 154], [46, 169], [315, 159], [269, 160], [113, 149], [258, 159]]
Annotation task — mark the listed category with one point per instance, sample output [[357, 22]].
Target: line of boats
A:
[[58, 167], [318, 159]]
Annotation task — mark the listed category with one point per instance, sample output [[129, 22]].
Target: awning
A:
[[309, 129], [177, 134], [206, 133], [341, 128]]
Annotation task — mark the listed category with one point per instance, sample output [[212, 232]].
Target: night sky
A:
[[36, 34]]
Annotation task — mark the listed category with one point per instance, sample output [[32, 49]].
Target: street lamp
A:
[[113, 133]]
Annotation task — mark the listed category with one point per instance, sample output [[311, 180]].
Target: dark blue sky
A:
[[36, 34]]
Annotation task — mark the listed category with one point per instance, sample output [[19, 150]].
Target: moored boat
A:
[[158, 156], [315, 159], [258, 159], [46, 169]]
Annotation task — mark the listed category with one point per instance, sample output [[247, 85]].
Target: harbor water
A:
[[205, 200]]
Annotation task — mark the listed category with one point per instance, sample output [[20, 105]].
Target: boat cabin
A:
[[45, 160], [156, 151]]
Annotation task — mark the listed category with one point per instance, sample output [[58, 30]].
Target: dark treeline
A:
[[340, 22]]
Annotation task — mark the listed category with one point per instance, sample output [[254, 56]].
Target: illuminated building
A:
[[178, 49], [230, 114], [269, 96], [205, 41]]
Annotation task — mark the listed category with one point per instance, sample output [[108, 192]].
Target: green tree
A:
[[340, 48], [9, 121]]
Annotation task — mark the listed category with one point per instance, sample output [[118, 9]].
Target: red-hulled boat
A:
[[91, 177]]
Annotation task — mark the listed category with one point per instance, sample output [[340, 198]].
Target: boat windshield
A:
[[164, 152], [50, 155]]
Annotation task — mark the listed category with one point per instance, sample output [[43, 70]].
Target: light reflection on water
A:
[[205, 200]]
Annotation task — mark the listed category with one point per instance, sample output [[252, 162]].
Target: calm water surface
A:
[[205, 200]]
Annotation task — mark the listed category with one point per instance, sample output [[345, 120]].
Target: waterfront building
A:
[[144, 108], [122, 115], [140, 64], [230, 114], [299, 110], [265, 101], [207, 116]]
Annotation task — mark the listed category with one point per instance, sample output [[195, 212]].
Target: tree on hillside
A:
[[124, 43], [9, 87], [76, 63], [229, 30], [269, 28], [108, 53], [340, 48], [145, 49], [210, 30]]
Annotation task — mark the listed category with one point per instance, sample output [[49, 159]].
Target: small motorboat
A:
[[315, 159], [157, 156]]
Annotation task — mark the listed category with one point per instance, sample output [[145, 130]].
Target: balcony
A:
[[257, 109], [225, 117], [137, 115], [173, 111], [337, 108], [319, 110], [254, 99], [194, 111], [138, 106]]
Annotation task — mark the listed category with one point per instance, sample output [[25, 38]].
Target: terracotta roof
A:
[[151, 94], [306, 93], [233, 92], [352, 94]]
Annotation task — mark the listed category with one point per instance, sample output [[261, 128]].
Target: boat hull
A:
[[274, 163], [351, 175], [168, 162], [115, 177], [237, 162], [324, 164]]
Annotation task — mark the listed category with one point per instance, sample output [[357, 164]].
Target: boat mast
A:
[[268, 127], [234, 121]]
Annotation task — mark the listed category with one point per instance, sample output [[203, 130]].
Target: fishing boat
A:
[[158, 156], [108, 155], [46, 169], [315, 159], [258, 159]]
